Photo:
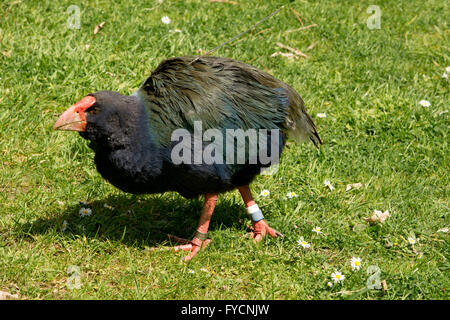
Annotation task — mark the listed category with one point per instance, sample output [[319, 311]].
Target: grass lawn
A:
[[368, 82]]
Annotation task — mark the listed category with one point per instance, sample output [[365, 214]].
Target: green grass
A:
[[368, 82]]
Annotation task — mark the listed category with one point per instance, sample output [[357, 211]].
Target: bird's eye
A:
[[93, 110]]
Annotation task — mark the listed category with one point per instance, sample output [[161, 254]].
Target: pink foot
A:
[[261, 229]]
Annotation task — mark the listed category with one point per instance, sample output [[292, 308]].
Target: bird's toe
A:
[[261, 229], [193, 246]]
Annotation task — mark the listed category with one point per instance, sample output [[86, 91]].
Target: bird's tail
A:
[[304, 129], [300, 127]]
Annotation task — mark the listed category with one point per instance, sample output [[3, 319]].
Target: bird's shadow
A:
[[136, 220]]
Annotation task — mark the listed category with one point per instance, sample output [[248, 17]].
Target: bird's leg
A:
[[200, 239], [260, 227]]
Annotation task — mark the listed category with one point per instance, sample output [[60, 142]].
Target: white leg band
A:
[[252, 209], [255, 213]]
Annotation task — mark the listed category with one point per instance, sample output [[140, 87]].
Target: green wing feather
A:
[[220, 92]]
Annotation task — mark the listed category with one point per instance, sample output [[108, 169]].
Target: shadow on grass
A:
[[136, 220]]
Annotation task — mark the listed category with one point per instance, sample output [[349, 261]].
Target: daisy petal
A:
[[425, 103], [165, 20]]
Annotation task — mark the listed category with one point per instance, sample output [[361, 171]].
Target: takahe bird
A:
[[132, 136]]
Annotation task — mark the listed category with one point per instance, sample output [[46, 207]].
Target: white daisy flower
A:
[[84, 203], [445, 75], [447, 69], [303, 243], [321, 115], [317, 230], [191, 271], [336, 276], [411, 240], [328, 184], [265, 193], [291, 194], [330, 284], [175, 31], [165, 20], [85, 212], [65, 225], [355, 263], [419, 255], [425, 103]]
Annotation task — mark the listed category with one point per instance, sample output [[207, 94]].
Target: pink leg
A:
[[260, 228], [196, 243]]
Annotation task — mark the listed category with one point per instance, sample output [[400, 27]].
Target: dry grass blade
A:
[[264, 30], [348, 292], [298, 16], [224, 1], [284, 54], [302, 28], [384, 285], [98, 27], [8, 296], [293, 50], [350, 186], [311, 46], [6, 53]]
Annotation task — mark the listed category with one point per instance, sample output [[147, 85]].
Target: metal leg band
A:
[[200, 235]]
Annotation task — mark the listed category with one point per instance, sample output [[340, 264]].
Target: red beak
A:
[[74, 118]]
